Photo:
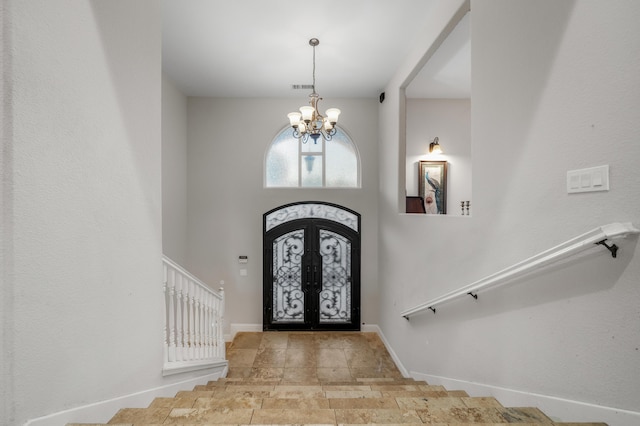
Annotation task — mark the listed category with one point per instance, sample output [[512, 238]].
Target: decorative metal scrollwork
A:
[[308, 211], [288, 297], [335, 296]]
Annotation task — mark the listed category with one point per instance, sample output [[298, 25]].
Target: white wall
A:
[[450, 121], [81, 236], [555, 87], [6, 287], [227, 142], [174, 171]]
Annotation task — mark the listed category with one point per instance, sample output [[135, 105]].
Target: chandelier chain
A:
[[314, 69], [309, 123]]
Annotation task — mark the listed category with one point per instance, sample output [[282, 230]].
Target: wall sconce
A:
[[434, 147]]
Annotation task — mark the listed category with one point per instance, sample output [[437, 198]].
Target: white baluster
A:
[[194, 318], [220, 323], [206, 326], [211, 326], [192, 331], [203, 322], [179, 324], [216, 331], [165, 291], [189, 321], [186, 289], [171, 315], [197, 323], [214, 328]]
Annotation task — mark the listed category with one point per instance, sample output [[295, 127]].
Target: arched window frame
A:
[[305, 151]]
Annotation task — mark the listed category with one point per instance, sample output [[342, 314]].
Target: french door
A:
[[311, 268]]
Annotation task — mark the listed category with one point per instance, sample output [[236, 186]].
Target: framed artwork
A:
[[432, 186]]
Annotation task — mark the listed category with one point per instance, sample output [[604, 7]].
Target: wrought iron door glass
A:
[[335, 295], [288, 297]]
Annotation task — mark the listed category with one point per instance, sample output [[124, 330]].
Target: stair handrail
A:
[[597, 236], [194, 316]]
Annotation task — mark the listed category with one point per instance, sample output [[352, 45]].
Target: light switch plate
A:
[[588, 180]]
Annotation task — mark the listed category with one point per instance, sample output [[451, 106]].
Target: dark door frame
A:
[[330, 217]]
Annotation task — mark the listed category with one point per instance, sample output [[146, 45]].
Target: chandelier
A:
[[309, 122]]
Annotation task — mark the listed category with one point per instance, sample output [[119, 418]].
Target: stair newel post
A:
[[171, 315]]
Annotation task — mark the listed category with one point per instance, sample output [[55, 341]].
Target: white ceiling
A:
[[259, 48]]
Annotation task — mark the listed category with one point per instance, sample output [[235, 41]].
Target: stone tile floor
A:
[[297, 357], [321, 378]]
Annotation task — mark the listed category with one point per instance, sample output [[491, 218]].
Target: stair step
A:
[[141, 415], [294, 416], [363, 403], [359, 424], [210, 416], [378, 416], [345, 395], [524, 415], [263, 382]]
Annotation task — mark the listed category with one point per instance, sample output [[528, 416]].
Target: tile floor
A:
[[310, 357], [323, 379]]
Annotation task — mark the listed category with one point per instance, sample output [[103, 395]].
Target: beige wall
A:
[[174, 172], [84, 205], [450, 121], [227, 198], [552, 81]]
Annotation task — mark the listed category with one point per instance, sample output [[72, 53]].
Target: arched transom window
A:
[[290, 162]]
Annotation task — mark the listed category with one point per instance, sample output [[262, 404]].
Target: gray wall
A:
[[555, 87], [450, 121], [228, 139], [174, 172], [82, 218]]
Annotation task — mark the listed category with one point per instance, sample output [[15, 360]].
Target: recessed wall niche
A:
[[438, 104]]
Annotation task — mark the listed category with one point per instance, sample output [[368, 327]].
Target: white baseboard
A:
[[559, 409], [237, 328], [374, 328], [101, 412], [171, 368]]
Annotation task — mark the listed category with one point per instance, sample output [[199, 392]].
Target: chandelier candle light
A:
[[309, 121]]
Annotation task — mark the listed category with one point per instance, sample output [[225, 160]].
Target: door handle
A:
[[315, 279], [308, 281]]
